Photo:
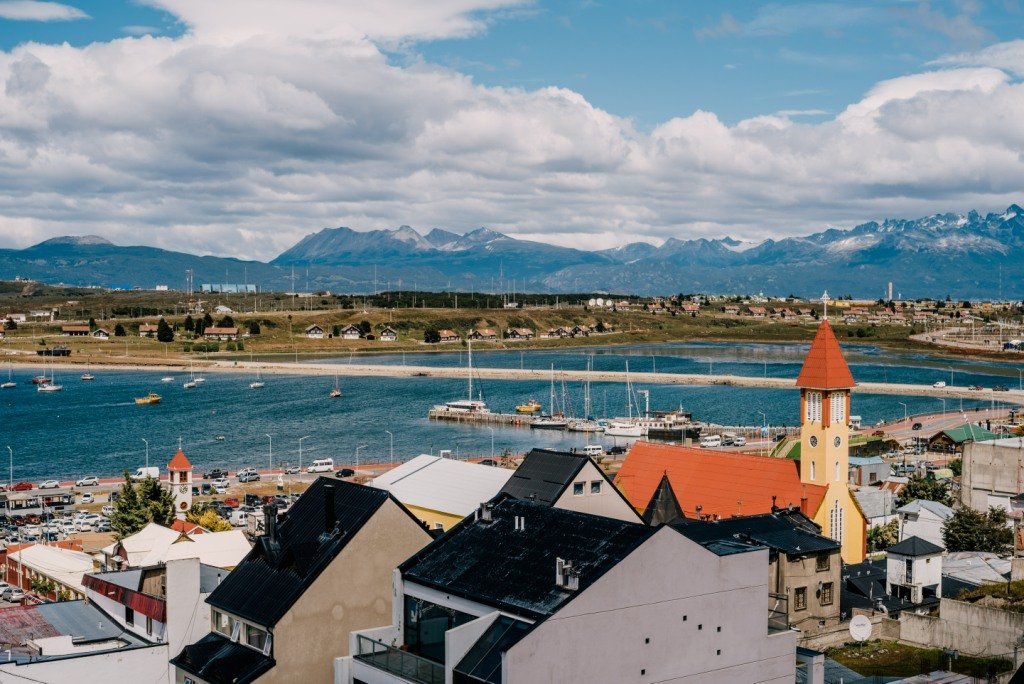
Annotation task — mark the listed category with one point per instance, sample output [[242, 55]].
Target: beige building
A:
[[286, 611]]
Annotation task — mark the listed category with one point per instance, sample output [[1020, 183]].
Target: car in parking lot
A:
[[88, 498], [22, 487], [248, 475], [230, 502], [345, 472], [219, 482], [88, 481], [12, 594], [1000, 388], [916, 426], [107, 510], [49, 484], [292, 470], [215, 474]]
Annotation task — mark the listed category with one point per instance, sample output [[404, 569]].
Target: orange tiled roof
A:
[[179, 462], [721, 483], [186, 527], [825, 367]]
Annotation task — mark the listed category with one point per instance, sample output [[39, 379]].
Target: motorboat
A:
[[532, 406], [151, 398]]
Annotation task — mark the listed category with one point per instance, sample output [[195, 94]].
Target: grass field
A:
[[891, 659]]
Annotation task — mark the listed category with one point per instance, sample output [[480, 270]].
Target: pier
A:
[[478, 417]]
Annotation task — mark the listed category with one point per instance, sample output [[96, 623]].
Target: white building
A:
[[526, 593], [923, 519], [913, 570], [155, 544]]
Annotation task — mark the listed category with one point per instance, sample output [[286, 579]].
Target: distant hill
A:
[[962, 255]]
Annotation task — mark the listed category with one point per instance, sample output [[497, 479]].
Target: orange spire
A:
[[824, 367], [179, 462]]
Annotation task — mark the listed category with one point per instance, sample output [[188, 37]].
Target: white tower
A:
[[180, 470]]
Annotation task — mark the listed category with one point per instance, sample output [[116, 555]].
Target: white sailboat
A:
[[191, 382], [336, 392], [10, 384], [587, 422], [167, 378], [468, 405], [51, 386], [555, 421], [258, 382], [627, 427]]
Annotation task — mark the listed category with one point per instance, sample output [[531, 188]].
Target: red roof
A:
[[179, 462], [179, 525], [825, 367], [722, 483]]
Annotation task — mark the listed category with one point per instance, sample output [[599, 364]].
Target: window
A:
[[836, 519], [872, 477], [129, 615], [812, 412], [814, 474], [800, 598], [595, 487], [837, 407], [577, 489], [149, 625], [826, 594], [438, 526], [221, 623], [255, 637], [821, 563]]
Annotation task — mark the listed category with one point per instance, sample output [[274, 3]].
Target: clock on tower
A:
[[180, 471]]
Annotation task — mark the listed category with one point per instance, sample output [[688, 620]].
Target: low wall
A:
[[882, 627], [966, 627]]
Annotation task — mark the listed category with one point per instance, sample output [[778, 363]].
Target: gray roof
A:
[[939, 509], [876, 503], [915, 546], [866, 460]]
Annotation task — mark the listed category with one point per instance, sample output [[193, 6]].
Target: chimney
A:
[[330, 519], [484, 514], [774, 507], [270, 522], [804, 506]]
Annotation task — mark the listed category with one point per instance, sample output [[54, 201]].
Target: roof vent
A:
[[485, 512], [566, 576], [520, 523]]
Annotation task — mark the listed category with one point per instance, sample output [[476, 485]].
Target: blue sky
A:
[[250, 123]]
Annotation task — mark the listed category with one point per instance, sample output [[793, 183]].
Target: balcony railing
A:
[[408, 666], [778, 613]]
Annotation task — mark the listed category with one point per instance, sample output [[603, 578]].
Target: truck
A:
[[144, 473]]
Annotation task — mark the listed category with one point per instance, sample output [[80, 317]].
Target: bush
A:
[[230, 346]]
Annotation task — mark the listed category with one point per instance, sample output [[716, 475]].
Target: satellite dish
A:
[[860, 628]]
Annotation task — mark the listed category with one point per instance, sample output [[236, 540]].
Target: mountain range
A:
[[968, 255]]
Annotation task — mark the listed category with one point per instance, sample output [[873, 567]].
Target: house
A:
[[923, 519], [36, 501], [387, 334], [952, 441], [580, 331], [75, 330], [757, 311], [717, 484], [485, 334], [868, 470], [731, 310], [62, 567], [155, 544], [326, 570], [440, 492], [524, 592], [804, 567], [520, 334], [16, 317], [878, 505], [147, 330], [448, 336], [315, 332], [570, 481], [992, 473], [692, 309], [101, 334], [350, 332], [914, 570], [222, 310], [560, 331], [222, 334]]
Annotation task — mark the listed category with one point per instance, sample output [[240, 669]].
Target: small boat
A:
[[88, 376], [220, 438], [532, 406], [10, 383], [582, 425], [336, 392], [151, 398], [623, 429], [191, 384], [40, 380], [200, 379], [258, 382], [167, 378], [50, 387], [550, 423]]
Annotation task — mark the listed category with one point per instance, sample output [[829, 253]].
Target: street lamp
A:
[[1020, 378], [904, 411], [492, 442], [943, 405], [300, 455], [361, 446], [271, 449], [764, 432], [950, 369], [147, 452], [392, 437]]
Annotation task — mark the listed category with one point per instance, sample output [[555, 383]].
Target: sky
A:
[[237, 127]]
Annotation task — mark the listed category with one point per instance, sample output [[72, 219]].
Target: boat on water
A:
[[584, 425], [258, 382], [40, 380], [191, 382], [532, 406], [469, 404], [336, 390], [88, 376], [199, 380], [10, 384], [220, 438], [151, 398], [549, 423], [167, 378], [617, 428], [50, 387]]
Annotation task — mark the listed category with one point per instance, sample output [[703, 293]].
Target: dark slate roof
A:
[[915, 546], [863, 586], [514, 570], [218, 660], [483, 661], [786, 530], [544, 475], [269, 580], [664, 506]]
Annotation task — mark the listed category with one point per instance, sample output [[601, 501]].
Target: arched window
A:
[[837, 471], [813, 474]]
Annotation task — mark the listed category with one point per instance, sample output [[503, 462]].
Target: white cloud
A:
[[1008, 56], [139, 30], [30, 10], [240, 139]]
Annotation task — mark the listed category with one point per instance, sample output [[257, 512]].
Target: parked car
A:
[[916, 426], [739, 440], [49, 484], [231, 502], [22, 487], [215, 474], [220, 489], [88, 481], [13, 595], [32, 519], [88, 498], [1000, 388], [345, 472], [107, 510], [939, 384], [249, 476], [18, 520], [878, 433], [976, 388], [220, 482], [489, 462], [291, 470]]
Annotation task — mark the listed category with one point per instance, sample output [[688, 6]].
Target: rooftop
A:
[[443, 484], [21, 626], [544, 475], [788, 531], [939, 509], [914, 547], [218, 660], [179, 462], [825, 366], [969, 432]]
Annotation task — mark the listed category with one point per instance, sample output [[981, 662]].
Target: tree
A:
[[207, 518], [969, 530], [957, 466], [431, 336], [226, 322], [254, 328], [164, 332], [92, 324], [140, 504], [119, 330], [883, 536], [336, 330], [365, 328], [599, 327], [10, 324], [190, 325], [927, 489]]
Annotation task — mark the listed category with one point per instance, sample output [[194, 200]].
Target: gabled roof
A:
[[940, 509], [968, 432], [663, 506], [544, 475], [512, 570], [273, 576], [218, 660], [443, 484], [179, 462], [721, 483], [482, 663], [788, 531], [824, 366], [915, 546]]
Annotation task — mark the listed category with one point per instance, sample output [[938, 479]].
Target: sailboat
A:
[[625, 428], [587, 422], [191, 382], [555, 421], [10, 383], [257, 383], [336, 392], [87, 376], [50, 386], [167, 378], [468, 405]]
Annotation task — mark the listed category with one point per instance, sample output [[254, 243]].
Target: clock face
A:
[[813, 441], [837, 441], [183, 488]]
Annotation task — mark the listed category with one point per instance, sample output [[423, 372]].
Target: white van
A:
[[143, 473], [321, 465], [739, 440], [239, 518], [593, 450], [710, 441]]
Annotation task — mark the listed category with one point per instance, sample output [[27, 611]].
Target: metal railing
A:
[[778, 613], [408, 666]]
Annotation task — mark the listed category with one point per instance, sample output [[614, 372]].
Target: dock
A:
[[479, 418]]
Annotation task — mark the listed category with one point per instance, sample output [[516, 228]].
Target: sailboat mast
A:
[[552, 411], [469, 346]]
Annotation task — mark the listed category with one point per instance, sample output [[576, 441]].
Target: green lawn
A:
[[890, 659]]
